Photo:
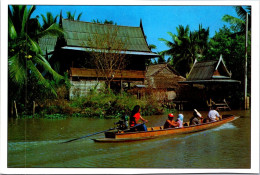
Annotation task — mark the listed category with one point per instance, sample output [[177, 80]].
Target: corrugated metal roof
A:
[[78, 34], [202, 70]]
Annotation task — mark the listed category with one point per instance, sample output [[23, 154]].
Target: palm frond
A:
[[45, 64], [241, 12], [11, 29], [53, 30], [79, 16], [40, 79], [34, 46], [24, 21], [232, 20], [17, 69], [44, 19]]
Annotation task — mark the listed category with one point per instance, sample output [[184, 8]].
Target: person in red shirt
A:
[[134, 120], [170, 123]]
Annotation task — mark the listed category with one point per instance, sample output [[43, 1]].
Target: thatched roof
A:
[[162, 76]]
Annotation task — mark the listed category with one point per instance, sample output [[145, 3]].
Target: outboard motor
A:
[[122, 124]]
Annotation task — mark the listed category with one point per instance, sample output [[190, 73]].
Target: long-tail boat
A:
[[154, 132]]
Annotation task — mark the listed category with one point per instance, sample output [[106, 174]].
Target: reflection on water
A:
[[36, 143]]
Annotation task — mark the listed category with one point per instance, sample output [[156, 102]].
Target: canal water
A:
[[36, 143]]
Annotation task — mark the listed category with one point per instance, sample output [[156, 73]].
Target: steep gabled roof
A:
[[78, 34], [207, 70]]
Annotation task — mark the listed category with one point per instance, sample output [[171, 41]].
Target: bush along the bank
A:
[[98, 104], [109, 105]]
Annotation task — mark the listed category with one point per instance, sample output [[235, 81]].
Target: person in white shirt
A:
[[213, 114]]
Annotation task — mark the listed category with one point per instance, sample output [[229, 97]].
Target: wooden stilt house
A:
[[77, 50]]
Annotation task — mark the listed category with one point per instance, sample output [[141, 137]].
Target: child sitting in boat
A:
[[180, 120], [170, 123]]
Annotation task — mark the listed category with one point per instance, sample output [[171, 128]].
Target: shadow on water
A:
[[35, 143]]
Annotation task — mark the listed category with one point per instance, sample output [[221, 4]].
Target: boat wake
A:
[[21, 145], [195, 134], [224, 126], [219, 128]]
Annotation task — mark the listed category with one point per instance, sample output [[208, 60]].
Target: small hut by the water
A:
[[161, 80], [208, 81]]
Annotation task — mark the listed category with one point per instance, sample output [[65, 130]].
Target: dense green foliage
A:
[[99, 104], [185, 47], [27, 68], [233, 52], [24, 54]]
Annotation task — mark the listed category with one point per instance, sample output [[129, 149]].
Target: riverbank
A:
[[96, 105]]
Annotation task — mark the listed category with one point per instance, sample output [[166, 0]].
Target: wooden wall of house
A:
[[81, 88]]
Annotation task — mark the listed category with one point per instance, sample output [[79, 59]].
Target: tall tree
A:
[[25, 60], [238, 25], [179, 50], [107, 51], [241, 26]]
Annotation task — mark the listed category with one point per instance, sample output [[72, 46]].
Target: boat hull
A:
[[154, 132]]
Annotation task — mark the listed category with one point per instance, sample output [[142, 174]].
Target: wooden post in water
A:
[[245, 88], [16, 113], [33, 108], [121, 86], [12, 109]]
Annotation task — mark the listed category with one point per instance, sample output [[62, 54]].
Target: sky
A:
[[156, 20]]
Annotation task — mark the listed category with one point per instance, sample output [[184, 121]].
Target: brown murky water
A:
[[35, 143]]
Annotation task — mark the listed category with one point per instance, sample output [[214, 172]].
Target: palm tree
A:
[[48, 20], [238, 25], [25, 60], [199, 42], [185, 47], [179, 50], [71, 16]]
